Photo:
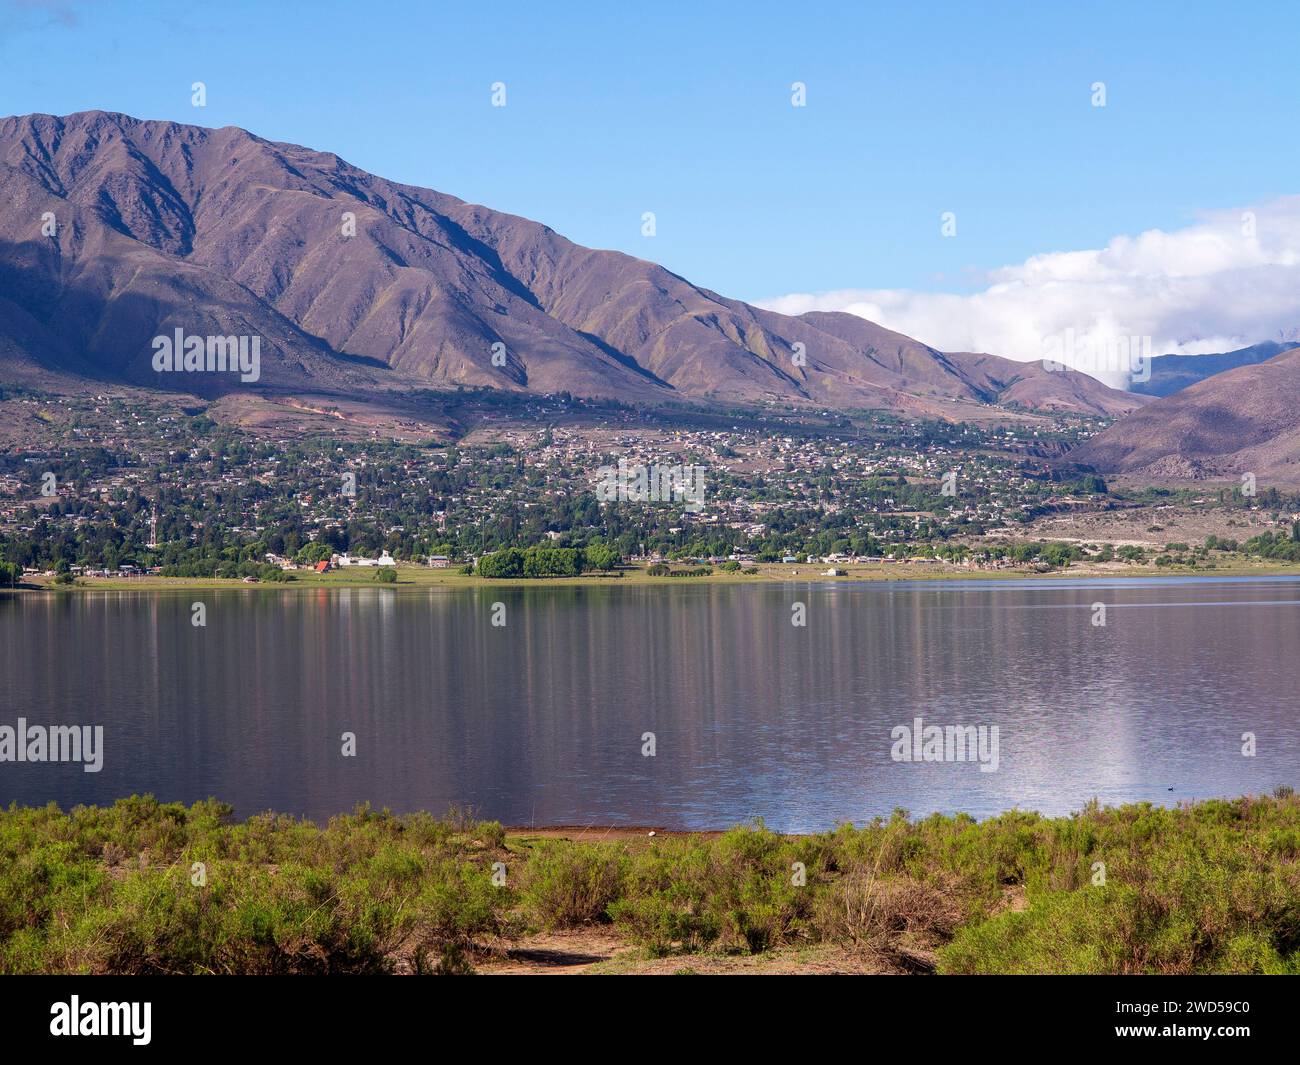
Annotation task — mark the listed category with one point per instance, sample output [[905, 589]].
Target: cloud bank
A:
[[1229, 281]]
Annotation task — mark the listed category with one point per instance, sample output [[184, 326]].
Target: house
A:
[[322, 567], [385, 559], [439, 561]]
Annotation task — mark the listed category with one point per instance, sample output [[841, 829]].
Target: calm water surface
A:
[[541, 721]]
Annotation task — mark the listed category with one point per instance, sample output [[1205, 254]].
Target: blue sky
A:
[[684, 110]]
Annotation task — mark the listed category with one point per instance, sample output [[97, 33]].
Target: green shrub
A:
[[1209, 888], [148, 887], [565, 885]]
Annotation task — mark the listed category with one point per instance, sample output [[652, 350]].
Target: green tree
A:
[[502, 564], [552, 562], [600, 557]]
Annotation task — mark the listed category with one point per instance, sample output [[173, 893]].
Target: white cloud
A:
[[1230, 281]]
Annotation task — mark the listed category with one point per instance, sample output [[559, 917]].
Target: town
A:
[[119, 486]]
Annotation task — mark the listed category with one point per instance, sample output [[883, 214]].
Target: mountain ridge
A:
[[1244, 420], [1172, 373], [219, 231]]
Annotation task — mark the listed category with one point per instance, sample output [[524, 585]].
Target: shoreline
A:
[[411, 576]]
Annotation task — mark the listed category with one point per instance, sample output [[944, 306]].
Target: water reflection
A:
[[541, 720]]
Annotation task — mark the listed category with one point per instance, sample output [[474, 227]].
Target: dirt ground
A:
[[1156, 526], [597, 951]]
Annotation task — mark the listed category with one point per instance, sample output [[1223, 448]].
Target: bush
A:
[[115, 889], [1210, 888], [665, 928], [898, 919], [737, 890], [566, 885]]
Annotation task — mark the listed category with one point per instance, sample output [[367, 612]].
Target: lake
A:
[[544, 719]]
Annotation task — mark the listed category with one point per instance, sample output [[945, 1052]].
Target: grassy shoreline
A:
[[411, 576], [149, 887]]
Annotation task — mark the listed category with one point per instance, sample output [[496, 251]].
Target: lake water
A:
[[541, 720]]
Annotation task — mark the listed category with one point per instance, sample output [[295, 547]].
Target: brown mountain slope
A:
[[359, 284], [164, 226], [1246, 420], [1030, 384]]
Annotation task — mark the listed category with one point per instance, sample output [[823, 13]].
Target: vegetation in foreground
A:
[[150, 887]]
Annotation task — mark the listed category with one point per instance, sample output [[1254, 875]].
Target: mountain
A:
[[357, 285], [1172, 373], [1246, 420], [1031, 385]]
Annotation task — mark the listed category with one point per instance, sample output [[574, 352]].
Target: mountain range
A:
[[1245, 420], [1173, 373], [120, 230]]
